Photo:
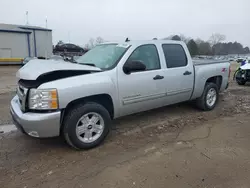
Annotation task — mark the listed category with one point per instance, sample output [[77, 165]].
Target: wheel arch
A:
[[201, 83], [216, 80], [104, 99]]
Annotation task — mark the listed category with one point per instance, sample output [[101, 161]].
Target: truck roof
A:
[[141, 42]]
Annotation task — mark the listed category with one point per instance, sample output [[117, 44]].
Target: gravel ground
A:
[[5, 98], [8, 78], [178, 146], [7, 91]]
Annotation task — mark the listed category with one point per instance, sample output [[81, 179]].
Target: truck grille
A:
[[22, 96]]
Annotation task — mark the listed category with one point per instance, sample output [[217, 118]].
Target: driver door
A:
[[141, 91]]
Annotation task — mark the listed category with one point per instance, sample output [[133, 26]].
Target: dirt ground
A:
[[8, 78], [175, 146]]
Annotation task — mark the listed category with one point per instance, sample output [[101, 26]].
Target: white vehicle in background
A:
[[242, 74]]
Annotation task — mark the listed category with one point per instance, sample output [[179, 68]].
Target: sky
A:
[[77, 21]]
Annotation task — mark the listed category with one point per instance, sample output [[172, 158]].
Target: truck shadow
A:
[[141, 119], [167, 113]]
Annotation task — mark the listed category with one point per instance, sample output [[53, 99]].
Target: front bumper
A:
[[41, 125]]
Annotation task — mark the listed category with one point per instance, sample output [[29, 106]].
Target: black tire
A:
[[71, 119], [240, 82], [201, 102]]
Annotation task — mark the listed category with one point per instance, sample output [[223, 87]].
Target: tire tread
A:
[[78, 110], [201, 101]]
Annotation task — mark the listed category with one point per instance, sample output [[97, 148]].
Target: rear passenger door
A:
[[179, 73]]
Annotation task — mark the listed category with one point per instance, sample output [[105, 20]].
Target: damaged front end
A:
[[38, 72], [51, 76]]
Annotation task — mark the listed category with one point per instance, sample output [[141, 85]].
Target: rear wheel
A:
[[86, 125], [209, 98]]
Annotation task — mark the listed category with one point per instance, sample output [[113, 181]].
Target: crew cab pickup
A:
[[79, 100]]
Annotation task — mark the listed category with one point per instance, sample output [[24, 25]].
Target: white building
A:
[[20, 41]]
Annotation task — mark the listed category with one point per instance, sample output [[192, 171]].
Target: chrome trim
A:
[[143, 98], [22, 95], [170, 93], [139, 98]]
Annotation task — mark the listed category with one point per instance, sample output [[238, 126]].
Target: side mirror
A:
[[133, 66]]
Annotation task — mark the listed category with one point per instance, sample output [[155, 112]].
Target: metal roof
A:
[[20, 28]]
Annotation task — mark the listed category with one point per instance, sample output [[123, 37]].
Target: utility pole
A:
[[27, 18]]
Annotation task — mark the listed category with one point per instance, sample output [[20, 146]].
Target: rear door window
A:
[[175, 55]]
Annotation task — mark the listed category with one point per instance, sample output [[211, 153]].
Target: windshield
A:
[[103, 56]]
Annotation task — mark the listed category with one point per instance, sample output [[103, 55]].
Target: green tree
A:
[[192, 47], [246, 50], [176, 37], [184, 38], [205, 48]]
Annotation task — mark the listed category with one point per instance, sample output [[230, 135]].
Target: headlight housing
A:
[[43, 99]]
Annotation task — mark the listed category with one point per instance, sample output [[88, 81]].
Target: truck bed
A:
[[204, 69], [206, 62]]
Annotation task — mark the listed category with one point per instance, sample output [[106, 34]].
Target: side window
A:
[[148, 54], [175, 55]]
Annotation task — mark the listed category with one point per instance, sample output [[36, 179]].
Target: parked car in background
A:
[[56, 57], [78, 101], [68, 47], [240, 59]]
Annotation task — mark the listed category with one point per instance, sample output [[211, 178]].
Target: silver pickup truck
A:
[[79, 100]]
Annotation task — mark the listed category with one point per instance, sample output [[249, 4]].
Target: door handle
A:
[[187, 73], [158, 77]]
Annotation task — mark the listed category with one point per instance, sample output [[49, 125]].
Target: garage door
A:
[[5, 52]]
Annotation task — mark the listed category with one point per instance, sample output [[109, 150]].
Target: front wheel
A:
[[209, 98], [86, 125]]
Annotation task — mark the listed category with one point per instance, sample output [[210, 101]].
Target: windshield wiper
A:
[[90, 64]]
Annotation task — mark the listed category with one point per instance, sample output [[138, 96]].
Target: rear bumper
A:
[[41, 125]]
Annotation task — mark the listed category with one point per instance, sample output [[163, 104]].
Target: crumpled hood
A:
[[34, 68]]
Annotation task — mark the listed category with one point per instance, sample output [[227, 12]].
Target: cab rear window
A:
[[175, 55]]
